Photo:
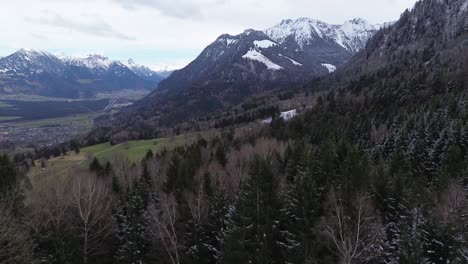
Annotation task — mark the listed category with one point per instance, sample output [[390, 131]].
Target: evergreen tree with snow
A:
[[132, 233], [253, 231]]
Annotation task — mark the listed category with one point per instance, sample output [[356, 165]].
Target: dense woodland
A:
[[339, 184], [375, 170]]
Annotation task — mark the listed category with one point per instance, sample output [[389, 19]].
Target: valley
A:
[[38, 121]]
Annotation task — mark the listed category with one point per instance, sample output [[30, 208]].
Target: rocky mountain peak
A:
[[352, 35]]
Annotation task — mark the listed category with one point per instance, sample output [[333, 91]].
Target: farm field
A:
[[35, 110], [82, 120], [133, 151], [9, 118]]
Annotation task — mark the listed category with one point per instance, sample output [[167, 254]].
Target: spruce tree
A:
[[132, 234], [7, 174], [95, 166], [253, 231]]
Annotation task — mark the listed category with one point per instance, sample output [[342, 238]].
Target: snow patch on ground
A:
[[257, 56], [267, 121], [293, 61], [331, 68], [288, 114], [230, 42], [264, 44], [464, 6]]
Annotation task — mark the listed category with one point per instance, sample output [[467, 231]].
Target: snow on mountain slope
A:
[[28, 62], [330, 67], [264, 44], [42, 73], [291, 52], [303, 30], [234, 67], [291, 60], [257, 56], [142, 70], [100, 64], [352, 35], [92, 61]]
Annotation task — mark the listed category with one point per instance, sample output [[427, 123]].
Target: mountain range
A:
[[235, 66], [405, 62], [426, 49], [41, 73]]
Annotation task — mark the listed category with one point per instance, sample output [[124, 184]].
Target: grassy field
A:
[[85, 120], [33, 98], [133, 151], [9, 118], [4, 104]]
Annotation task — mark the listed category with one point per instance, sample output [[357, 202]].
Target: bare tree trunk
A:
[[15, 245], [352, 235], [92, 203], [165, 220]]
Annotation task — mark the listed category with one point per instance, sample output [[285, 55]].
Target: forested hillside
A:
[[373, 169]]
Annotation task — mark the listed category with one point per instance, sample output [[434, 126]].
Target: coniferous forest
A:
[[313, 190], [372, 170]]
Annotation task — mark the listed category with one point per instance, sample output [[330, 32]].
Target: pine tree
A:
[[218, 218], [131, 218], [220, 155], [8, 174], [173, 182], [149, 154], [253, 231], [95, 166], [198, 244], [410, 243], [291, 240]]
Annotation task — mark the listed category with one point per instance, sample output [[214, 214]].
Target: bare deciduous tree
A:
[[164, 228], [354, 233], [123, 172], [50, 201], [452, 202], [15, 243], [91, 205], [197, 201]]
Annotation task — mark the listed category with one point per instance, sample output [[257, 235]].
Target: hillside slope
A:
[[235, 67], [425, 52]]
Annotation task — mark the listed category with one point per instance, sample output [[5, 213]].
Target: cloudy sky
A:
[[162, 32]]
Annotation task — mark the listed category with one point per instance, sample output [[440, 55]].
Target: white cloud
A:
[[91, 26], [155, 31]]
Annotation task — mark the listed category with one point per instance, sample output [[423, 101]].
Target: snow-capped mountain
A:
[[235, 66], [352, 35], [100, 64], [290, 52], [43, 73], [425, 52], [28, 62], [93, 62], [143, 71]]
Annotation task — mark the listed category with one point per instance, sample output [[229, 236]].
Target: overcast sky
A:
[[160, 32]]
